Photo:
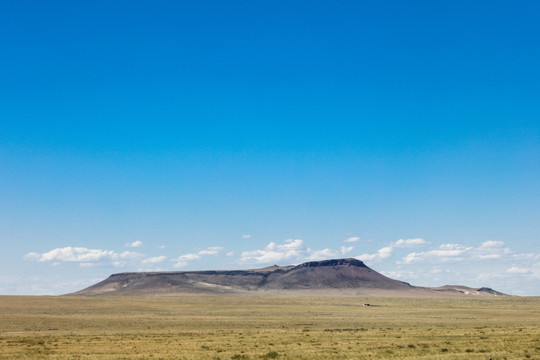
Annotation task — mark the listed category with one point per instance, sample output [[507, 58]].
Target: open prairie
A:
[[234, 327]]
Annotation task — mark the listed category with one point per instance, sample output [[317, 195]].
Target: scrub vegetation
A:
[[264, 327]]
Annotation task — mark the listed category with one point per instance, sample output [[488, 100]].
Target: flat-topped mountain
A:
[[347, 277]]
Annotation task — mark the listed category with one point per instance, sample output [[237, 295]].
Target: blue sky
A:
[[184, 135]]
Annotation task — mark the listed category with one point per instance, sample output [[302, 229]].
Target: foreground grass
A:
[[268, 327]]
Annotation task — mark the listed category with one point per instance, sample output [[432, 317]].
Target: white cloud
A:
[[386, 252], [213, 250], [489, 256], [352, 239], [488, 250], [528, 256], [452, 247], [324, 254], [445, 253], [274, 253], [137, 243], [491, 244], [346, 249], [87, 258], [184, 260], [381, 254], [525, 271], [409, 243], [518, 270], [154, 260], [77, 254], [246, 236], [291, 251], [188, 257]]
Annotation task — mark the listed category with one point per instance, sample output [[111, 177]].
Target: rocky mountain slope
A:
[[338, 277]]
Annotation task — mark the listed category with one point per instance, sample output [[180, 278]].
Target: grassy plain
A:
[[261, 327]]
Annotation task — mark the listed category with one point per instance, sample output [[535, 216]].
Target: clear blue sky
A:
[[187, 135]]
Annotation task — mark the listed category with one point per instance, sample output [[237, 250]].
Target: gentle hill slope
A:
[[345, 277]]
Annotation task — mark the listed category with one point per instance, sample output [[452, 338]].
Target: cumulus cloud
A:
[[386, 252], [137, 243], [185, 259], [323, 254], [518, 270], [292, 250], [84, 256], [488, 250], [352, 239], [445, 253], [346, 249], [381, 254], [525, 270], [213, 250], [246, 236], [526, 256], [274, 253], [154, 260], [409, 243]]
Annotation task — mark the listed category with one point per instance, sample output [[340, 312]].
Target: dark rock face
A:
[[334, 262], [490, 291]]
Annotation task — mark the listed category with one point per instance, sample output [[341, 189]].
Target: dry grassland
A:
[[268, 327]]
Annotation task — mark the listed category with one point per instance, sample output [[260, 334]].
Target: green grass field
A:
[[268, 327]]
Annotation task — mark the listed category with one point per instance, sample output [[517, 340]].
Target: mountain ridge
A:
[[334, 277]]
